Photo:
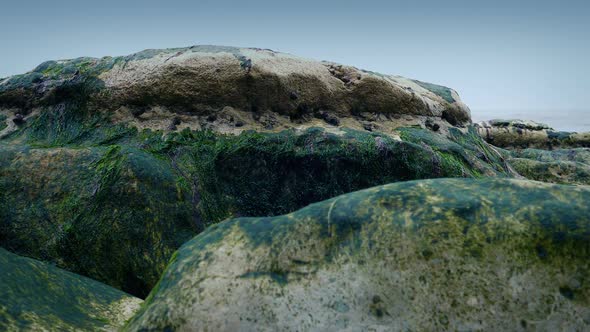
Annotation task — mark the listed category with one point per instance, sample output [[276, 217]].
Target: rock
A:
[[555, 172], [518, 134], [114, 214], [333, 120], [446, 254], [526, 124], [380, 144], [540, 153], [202, 80], [451, 117], [568, 166], [36, 296], [114, 204], [103, 180]]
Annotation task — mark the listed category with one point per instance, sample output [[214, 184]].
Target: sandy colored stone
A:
[[269, 91]]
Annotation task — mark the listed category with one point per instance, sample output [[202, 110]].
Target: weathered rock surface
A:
[[518, 134], [229, 89], [115, 214], [36, 296], [114, 204], [108, 165], [445, 254], [571, 166]]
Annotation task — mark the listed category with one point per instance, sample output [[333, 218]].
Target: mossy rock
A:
[[568, 166], [444, 254], [204, 79], [115, 214], [566, 172], [579, 155], [36, 296], [518, 134], [113, 203]]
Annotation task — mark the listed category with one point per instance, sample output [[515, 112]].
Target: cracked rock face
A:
[[445, 254], [201, 81]]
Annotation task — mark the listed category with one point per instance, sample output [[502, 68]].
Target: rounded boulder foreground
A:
[[37, 296], [430, 255]]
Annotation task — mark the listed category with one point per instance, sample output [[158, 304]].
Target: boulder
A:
[[518, 134], [115, 214], [257, 88], [444, 254], [35, 296], [568, 166], [114, 204]]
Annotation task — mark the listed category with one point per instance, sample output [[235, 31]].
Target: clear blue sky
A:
[[514, 57]]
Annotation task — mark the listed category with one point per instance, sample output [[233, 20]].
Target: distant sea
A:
[[559, 120]]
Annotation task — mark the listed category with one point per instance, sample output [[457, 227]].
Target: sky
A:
[[526, 59]]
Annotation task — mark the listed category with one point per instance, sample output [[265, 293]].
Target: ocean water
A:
[[578, 121]]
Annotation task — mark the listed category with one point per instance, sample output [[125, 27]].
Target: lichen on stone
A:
[[423, 255]]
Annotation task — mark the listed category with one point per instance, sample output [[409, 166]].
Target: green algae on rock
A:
[[569, 166], [115, 214], [36, 296], [518, 134], [267, 89], [113, 204], [445, 254]]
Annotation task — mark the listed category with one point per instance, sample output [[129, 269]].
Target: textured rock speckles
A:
[[519, 134], [36, 296], [443, 254], [116, 213], [202, 80], [111, 164], [558, 166]]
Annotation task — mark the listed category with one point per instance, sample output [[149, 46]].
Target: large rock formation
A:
[[108, 165], [36, 296], [518, 134], [116, 212], [538, 152], [558, 166], [228, 89], [426, 255]]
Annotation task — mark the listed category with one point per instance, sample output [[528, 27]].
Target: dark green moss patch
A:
[[110, 202]]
